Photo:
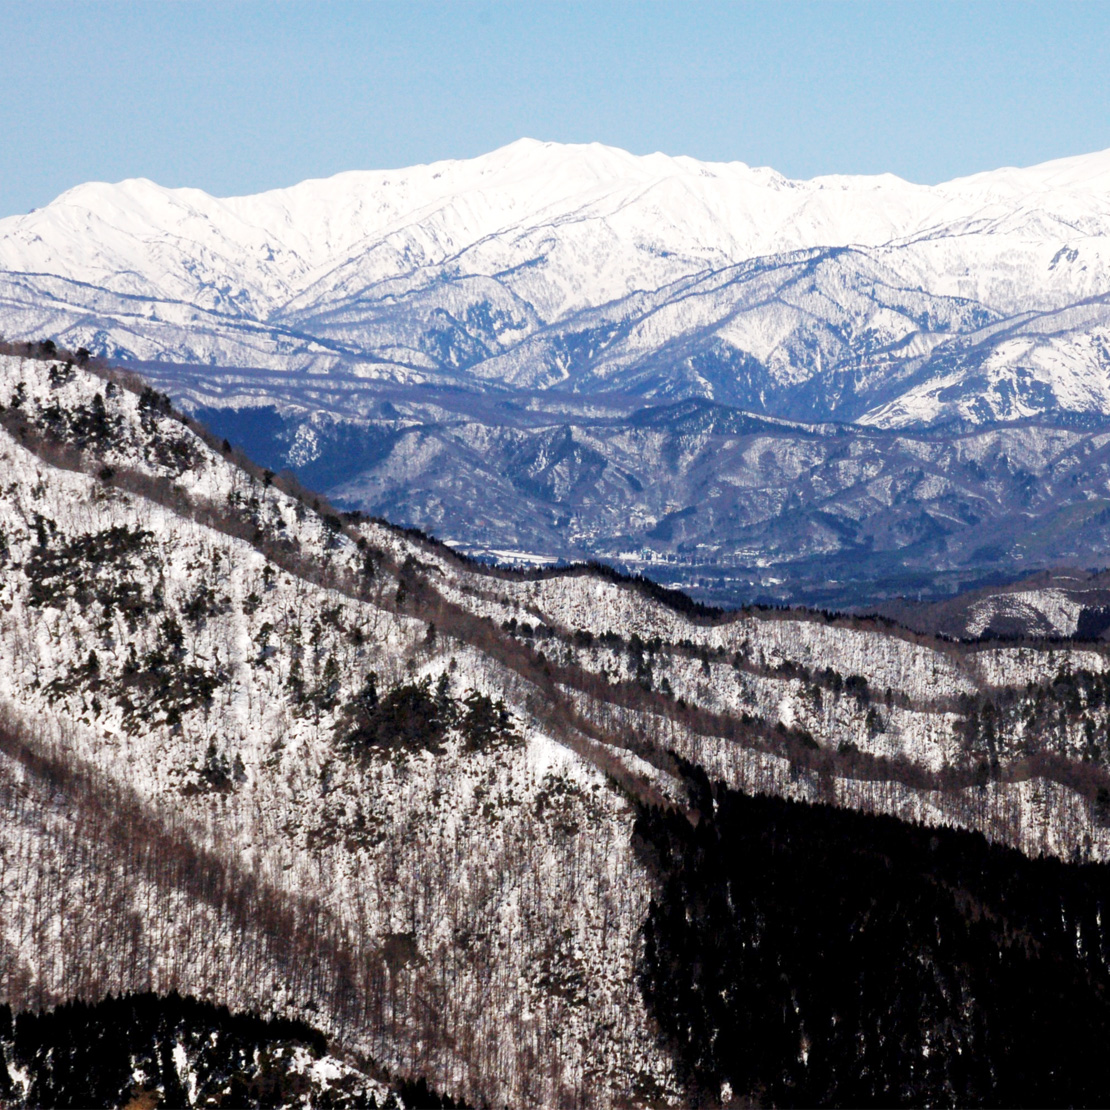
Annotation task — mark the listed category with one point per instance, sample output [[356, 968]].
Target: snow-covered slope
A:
[[540, 263], [315, 766]]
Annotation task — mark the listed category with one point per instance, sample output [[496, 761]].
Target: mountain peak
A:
[[455, 267]]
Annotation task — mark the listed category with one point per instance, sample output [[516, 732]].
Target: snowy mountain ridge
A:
[[295, 236], [586, 268]]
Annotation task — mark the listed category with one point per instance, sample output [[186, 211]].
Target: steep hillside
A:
[[211, 698], [315, 766]]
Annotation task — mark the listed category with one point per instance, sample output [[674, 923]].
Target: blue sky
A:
[[236, 97]]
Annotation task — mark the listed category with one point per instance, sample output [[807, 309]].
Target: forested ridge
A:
[[146, 1050], [515, 838]]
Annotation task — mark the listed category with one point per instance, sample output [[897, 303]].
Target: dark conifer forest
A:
[[818, 957], [110, 1053], [146, 1050]]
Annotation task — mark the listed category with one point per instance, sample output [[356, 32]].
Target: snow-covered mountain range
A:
[[588, 269]]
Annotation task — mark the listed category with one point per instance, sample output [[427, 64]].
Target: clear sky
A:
[[235, 97]]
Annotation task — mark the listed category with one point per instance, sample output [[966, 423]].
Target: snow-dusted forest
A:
[[295, 761]]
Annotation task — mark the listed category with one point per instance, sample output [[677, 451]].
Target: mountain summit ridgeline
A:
[[587, 269]]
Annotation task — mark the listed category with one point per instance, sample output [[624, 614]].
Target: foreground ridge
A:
[[305, 763]]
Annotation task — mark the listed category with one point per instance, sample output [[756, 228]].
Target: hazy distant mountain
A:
[[587, 269]]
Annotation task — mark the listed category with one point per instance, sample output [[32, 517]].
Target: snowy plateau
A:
[[479, 828], [710, 372]]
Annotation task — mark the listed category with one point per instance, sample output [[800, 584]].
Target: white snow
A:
[[306, 277]]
